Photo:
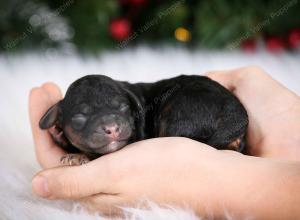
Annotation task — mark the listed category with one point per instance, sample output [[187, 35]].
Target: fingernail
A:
[[40, 186]]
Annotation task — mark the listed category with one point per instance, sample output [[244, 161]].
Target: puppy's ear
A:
[[135, 100], [139, 110], [50, 117]]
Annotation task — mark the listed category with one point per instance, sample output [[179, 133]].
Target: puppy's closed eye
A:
[[79, 121]]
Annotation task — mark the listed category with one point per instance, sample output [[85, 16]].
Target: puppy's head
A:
[[96, 115]]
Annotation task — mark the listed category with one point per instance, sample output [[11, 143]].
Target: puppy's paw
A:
[[74, 159], [238, 145], [234, 145]]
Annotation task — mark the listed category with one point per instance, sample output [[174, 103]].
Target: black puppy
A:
[[100, 115]]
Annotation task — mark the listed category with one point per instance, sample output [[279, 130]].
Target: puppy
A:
[[100, 115]]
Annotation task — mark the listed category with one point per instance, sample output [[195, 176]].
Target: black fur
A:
[[187, 106]]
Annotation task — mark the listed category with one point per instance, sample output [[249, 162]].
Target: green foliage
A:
[[85, 24]]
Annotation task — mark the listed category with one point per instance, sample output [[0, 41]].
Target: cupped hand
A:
[[40, 100], [156, 169], [163, 170], [273, 110]]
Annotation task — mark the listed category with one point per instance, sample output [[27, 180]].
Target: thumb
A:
[[73, 182]]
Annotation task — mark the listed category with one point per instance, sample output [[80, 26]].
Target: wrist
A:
[[260, 188], [243, 186]]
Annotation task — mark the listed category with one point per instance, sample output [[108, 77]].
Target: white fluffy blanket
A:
[[18, 73]]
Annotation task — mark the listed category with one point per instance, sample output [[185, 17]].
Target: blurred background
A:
[[94, 26]]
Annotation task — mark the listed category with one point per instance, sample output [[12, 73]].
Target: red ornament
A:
[[120, 29], [294, 38], [249, 45], [275, 44]]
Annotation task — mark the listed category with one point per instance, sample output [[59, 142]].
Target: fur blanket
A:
[[19, 73]]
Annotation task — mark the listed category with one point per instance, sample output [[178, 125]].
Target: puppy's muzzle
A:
[[112, 131], [113, 127]]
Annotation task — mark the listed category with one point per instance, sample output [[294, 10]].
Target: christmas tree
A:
[[94, 25]]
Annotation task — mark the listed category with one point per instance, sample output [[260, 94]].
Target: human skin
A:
[[183, 172], [273, 110]]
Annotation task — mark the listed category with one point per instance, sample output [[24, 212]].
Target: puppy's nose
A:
[[112, 130]]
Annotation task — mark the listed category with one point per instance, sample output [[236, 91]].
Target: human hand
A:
[[180, 172], [40, 100], [273, 110], [148, 169], [158, 169]]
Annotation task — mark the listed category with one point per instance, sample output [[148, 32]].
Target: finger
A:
[[75, 182], [48, 154], [225, 78], [53, 92]]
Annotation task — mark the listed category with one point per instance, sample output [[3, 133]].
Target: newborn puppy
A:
[[100, 115], [95, 118]]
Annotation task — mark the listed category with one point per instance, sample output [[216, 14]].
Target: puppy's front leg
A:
[[74, 159]]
